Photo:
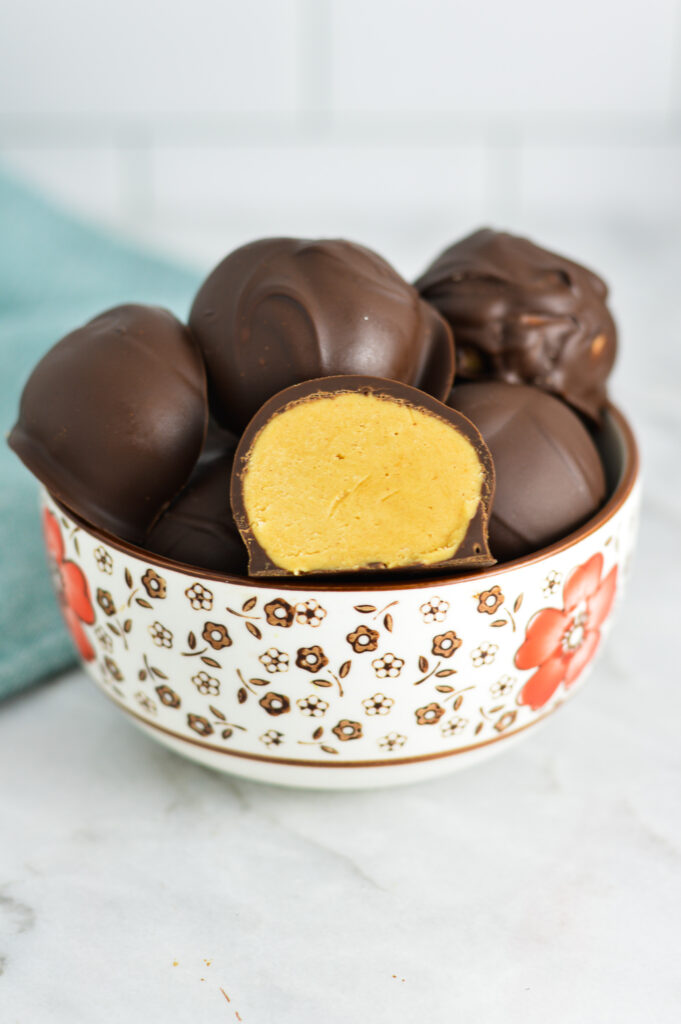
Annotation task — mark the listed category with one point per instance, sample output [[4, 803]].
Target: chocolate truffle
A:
[[113, 417], [218, 442], [522, 314], [198, 528], [549, 476], [282, 310], [353, 473]]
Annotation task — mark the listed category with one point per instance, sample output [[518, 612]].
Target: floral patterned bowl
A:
[[336, 687]]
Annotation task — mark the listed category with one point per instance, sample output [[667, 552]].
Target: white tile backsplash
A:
[[603, 180], [396, 122], [389, 198], [325, 176], [518, 58], [142, 58]]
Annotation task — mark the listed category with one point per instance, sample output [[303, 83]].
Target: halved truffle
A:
[[353, 473], [113, 417], [283, 310]]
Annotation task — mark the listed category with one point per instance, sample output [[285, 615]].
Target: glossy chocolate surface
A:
[[549, 475], [113, 417], [521, 314], [198, 528], [473, 552], [282, 311]]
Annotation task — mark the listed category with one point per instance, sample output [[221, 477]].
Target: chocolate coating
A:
[[218, 442], [522, 314], [282, 310], [549, 476], [113, 417], [473, 551], [198, 528]]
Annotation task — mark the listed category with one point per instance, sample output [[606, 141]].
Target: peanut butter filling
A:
[[342, 481]]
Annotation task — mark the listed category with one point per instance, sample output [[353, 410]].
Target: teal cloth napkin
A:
[[55, 273]]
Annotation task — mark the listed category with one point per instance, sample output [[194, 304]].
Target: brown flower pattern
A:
[[445, 644], [200, 725], [388, 667], [272, 738], [275, 703], [453, 726], [434, 610], [313, 706], [363, 639], [106, 602], [168, 697], [379, 704], [145, 702], [393, 741], [312, 659], [430, 714], [199, 597], [484, 654], [347, 730], [503, 686], [206, 684], [279, 613], [217, 635], [154, 584], [103, 560], [274, 660], [161, 636], [310, 613], [104, 638], [551, 583], [490, 600]]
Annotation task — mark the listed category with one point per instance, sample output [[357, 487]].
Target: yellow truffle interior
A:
[[343, 481]]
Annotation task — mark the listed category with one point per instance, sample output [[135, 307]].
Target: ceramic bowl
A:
[[330, 686]]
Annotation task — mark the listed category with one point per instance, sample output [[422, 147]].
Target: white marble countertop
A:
[[544, 885]]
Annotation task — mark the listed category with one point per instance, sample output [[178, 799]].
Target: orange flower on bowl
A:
[[72, 588], [560, 642]]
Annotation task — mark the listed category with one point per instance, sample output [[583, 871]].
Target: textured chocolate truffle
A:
[[113, 417], [198, 528], [281, 311], [549, 476], [346, 474], [524, 315]]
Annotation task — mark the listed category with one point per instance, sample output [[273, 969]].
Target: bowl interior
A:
[[611, 442]]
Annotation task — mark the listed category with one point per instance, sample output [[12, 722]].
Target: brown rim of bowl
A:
[[622, 491]]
